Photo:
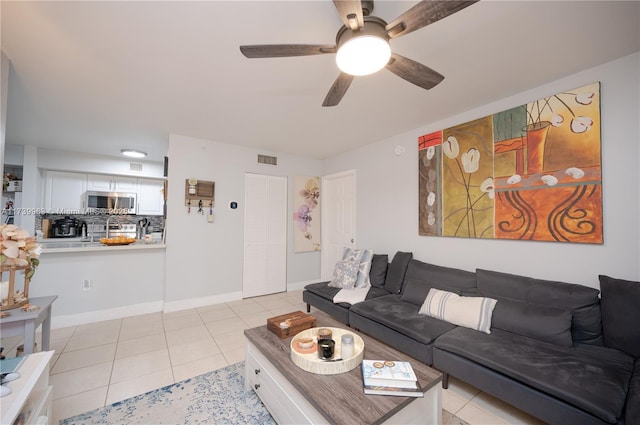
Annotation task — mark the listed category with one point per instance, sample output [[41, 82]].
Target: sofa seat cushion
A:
[[402, 317], [632, 416], [593, 378]]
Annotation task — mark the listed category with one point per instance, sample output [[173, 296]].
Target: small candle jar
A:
[[324, 333], [326, 348], [346, 346]]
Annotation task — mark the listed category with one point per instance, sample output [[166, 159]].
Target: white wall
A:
[[4, 87], [49, 159], [387, 188], [204, 260]]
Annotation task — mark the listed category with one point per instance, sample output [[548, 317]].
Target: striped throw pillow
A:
[[470, 312]]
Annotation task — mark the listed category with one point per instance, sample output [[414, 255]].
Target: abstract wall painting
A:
[[529, 173], [306, 213]]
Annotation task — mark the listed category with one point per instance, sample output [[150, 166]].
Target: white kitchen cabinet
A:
[[150, 197], [106, 183], [64, 190]]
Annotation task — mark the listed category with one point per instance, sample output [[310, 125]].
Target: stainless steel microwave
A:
[[115, 202]]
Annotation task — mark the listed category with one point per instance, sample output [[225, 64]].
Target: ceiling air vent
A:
[[269, 160], [134, 166]]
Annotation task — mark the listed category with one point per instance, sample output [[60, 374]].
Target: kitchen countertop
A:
[[75, 245]]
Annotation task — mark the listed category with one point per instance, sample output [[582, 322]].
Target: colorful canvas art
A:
[[529, 173], [306, 213]]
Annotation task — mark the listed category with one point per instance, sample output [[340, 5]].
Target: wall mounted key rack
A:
[[199, 193]]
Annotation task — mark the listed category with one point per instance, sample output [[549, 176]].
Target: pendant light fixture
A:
[[132, 153]]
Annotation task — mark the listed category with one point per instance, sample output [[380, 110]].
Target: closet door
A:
[[265, 235]]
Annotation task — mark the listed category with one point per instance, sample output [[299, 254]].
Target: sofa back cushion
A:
[[421, 277], [540, 322], [621, 314], [395, 272], [580, 301], [378, 272]]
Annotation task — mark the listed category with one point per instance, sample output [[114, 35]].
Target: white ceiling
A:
[[100, 76]]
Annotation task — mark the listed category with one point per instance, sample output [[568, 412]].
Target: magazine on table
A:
[[403, 392], [385, 373]]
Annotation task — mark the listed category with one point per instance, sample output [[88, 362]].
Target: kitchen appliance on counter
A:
[[66, 227], [124, 202], [97, 231]]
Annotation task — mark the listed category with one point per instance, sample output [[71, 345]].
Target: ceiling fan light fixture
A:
[[364, 51], [363, 55], [132, 153]]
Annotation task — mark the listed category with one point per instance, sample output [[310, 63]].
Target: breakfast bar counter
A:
[[97, 282], [74, 247]]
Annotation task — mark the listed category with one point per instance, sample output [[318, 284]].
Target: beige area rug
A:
[[216, 397]]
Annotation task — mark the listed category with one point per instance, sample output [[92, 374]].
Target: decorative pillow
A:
[[378, 271], [396, 271], [540, 322], [620, 306], [364, 257], [345, 274], [470, 312]]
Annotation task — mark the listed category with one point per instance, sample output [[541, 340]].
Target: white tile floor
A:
[[101, 363]]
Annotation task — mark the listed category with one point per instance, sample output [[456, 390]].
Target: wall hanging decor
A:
[[306, 213], [530, 173]]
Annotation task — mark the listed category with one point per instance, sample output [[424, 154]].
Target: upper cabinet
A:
[[150, 197], [105, 183], [64, 191]]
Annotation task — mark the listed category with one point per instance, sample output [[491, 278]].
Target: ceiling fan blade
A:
[[285, 50], [350, 12], [423, 14], [338, 89], [414, 72]]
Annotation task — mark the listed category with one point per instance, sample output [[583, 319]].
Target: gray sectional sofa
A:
[[565, 353]]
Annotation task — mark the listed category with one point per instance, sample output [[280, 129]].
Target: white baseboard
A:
[[201, 301], [64, 321], [67, 320]]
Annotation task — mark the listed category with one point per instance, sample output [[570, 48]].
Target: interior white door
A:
[[338, 219], [265, 235]]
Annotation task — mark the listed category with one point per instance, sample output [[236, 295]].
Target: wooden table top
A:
[[340, 398]]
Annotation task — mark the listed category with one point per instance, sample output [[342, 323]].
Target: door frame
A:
[[326, 269]]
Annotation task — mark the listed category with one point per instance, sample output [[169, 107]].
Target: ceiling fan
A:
[[362, 44]]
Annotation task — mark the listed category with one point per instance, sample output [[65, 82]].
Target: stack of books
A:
[[383, 377]]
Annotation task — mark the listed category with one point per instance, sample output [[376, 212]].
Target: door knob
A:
[[256, 386], [257, 371]]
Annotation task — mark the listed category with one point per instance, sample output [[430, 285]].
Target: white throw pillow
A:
[[345, 274], [470, 312], [365, 258]]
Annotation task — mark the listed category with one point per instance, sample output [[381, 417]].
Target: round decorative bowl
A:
[[306, 357]]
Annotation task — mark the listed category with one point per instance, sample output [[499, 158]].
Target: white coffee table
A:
[[295, 396]]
